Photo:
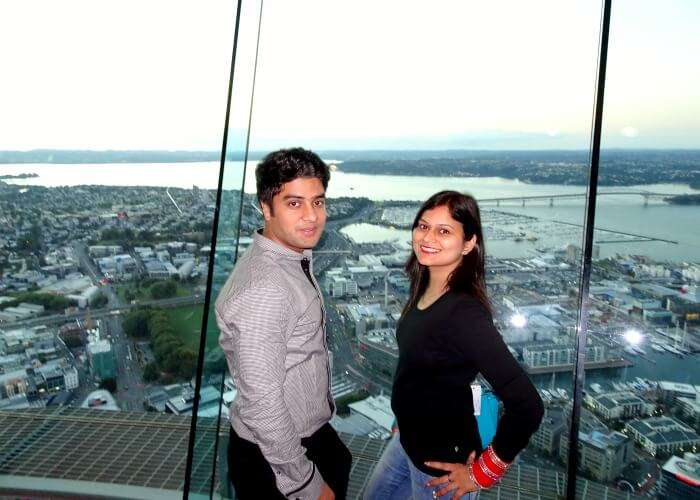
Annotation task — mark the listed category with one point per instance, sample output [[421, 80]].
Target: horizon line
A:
[[218, 152]]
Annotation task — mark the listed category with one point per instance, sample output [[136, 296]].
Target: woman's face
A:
[[438, 239]]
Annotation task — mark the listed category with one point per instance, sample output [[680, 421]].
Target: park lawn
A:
[[185, 289], [143, 294], [187, 323]]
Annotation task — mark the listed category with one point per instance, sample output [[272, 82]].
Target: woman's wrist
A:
[[470, 473]]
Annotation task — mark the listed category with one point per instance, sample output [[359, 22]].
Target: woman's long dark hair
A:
[[469, 276]]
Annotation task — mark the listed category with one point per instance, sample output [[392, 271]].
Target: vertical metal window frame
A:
[[229, 149], [586, 257]]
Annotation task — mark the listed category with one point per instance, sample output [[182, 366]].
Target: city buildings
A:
[[75, 231]]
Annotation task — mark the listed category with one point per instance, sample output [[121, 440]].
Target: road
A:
[[130, 387], [340, 338], [80, 250], [109, 310], [131, 390]]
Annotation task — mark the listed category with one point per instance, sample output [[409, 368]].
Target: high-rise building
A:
[[102, 360]]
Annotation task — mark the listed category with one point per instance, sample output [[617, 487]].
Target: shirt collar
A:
[[265, 243]]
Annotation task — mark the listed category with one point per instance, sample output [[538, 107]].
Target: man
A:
[[272, 321]]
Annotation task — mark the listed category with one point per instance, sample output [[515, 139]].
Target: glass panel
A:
[[458, 97], [112, 127], [209, 464], [641, 417]]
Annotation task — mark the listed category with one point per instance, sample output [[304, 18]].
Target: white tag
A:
[[476, 398]]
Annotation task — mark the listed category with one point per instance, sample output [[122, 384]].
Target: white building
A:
[[620, 405], [377, 409], [70, 378], [663, 435]]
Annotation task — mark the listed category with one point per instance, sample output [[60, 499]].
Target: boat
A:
[[631, 350], [658, 348], [675, 351]]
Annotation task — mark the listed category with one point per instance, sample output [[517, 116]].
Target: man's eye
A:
[[422, 227], [320, 203], [294, 204], [444, 231]]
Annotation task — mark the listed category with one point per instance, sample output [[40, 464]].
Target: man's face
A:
[[298, 214]]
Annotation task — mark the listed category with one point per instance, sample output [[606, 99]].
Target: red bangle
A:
[[470, 472], [494, 463], [480, 477], [488, 469]]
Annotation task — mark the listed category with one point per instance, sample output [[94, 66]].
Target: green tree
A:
[[49, 301], [151, 372], [163, 347], [73, 339], [164, 290], [135, 324], [99, 300]]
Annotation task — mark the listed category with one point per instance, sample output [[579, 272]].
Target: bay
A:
[[626, 213]]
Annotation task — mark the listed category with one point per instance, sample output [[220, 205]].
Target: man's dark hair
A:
[[285, 165]]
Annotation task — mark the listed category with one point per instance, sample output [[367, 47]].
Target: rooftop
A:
[[688, 467], [142, 456], [72, 449]]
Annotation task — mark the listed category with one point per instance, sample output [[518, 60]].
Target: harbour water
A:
[[620, 213]]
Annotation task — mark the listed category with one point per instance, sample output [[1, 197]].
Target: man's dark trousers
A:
[[253, 478]]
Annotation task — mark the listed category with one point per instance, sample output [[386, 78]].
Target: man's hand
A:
[[326, 492]]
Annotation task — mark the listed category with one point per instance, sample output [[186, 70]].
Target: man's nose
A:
[[309, 212]]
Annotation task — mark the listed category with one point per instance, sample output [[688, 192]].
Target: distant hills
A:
[[82, 156], [618, 167]]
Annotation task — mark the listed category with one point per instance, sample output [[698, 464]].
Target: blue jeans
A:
[[396, 478]]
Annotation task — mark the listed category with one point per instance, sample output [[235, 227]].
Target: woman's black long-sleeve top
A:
[[441, 350]]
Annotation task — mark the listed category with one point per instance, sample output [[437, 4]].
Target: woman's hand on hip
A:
[[457, 478]]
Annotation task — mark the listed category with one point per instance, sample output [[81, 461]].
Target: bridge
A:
[[646, 195]]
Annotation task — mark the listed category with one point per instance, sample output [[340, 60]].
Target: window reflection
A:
[[107, 195], [532, 204], [643, 282]]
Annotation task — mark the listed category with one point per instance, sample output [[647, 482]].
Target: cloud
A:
[[630, 132]]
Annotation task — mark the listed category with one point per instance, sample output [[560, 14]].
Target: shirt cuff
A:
[[310, 489]]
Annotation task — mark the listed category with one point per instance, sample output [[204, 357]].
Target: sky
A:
[[337, 74]]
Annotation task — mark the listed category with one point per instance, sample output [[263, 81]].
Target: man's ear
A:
[[266, 210]]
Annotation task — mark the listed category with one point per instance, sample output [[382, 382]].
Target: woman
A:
[[445, 337]]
